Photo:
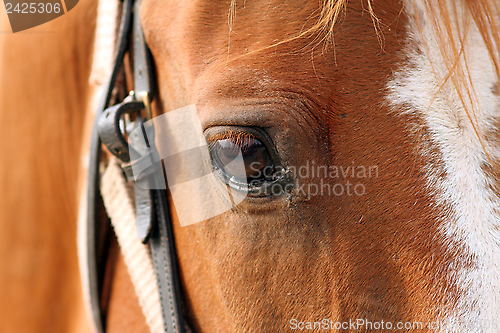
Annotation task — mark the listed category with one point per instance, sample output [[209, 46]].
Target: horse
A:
[[384, 113]]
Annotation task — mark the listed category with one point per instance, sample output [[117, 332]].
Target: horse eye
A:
[[257, 159]]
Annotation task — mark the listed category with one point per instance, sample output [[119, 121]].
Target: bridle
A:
[[152, 210]]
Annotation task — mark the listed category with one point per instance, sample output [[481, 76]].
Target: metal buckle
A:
[[143, 96], [115, 122]]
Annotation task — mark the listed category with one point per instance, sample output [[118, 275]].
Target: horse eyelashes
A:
[[225, 148]]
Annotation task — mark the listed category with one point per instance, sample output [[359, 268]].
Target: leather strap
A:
[[93, 196], [165, 264], [143, 64], [153, 216]]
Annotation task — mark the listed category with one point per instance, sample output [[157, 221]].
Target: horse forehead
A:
[[217, 28], [213, 50]]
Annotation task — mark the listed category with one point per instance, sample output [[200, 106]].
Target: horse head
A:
[[383, 115]]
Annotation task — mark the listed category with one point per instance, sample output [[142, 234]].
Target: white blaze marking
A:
[[474, 221]]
